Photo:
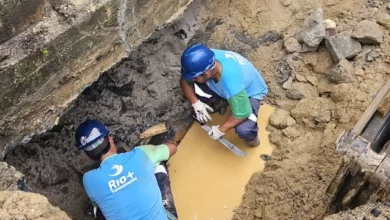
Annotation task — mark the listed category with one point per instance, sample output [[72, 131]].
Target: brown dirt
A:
[[377, 211], [28, 206], [294, 183]]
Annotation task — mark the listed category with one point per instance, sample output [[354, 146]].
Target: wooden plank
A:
[[153, 131], [371, 109]]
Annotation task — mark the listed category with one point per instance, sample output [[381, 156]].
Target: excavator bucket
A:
[[366, 147]]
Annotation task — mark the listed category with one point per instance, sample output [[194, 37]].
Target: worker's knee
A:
[[247, 130]]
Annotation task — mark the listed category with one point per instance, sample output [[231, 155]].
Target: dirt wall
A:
[[137, 93], [51, 50]]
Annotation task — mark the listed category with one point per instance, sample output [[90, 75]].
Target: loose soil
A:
[[143, 90]]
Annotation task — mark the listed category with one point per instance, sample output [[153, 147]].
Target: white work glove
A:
[[215, 133], [200, 109]]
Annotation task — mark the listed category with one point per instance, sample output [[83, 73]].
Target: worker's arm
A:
[[188, 90], [201, 109], [241, 110], [159, 153]]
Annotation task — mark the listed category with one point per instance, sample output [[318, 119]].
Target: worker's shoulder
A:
[[90, 176]]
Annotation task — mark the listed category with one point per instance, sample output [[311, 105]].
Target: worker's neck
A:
[[218, 72], [107, 155]]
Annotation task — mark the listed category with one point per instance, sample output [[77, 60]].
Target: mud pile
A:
[[317, 96]]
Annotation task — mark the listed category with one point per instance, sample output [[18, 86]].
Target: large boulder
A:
[[313, 31], [342, 45], [368, 32], [341, 72]]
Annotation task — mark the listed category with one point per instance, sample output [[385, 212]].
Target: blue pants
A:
[[248, 129]]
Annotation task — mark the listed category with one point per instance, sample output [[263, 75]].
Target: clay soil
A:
[[143, 90]]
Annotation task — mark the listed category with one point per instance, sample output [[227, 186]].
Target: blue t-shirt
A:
[[237, 74], [124, 187]]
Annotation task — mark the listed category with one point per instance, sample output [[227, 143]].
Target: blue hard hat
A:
[[90, 134], [196, 60]]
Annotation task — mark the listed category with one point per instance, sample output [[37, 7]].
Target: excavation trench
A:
[[142, 90]]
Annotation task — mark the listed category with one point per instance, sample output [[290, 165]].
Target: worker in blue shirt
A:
[[125, 186], [227, 75]]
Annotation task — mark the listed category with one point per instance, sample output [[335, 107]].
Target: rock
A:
[[330, 28], [342, 72], [324, 85], [259, 212], [291, 133], [277, 138], [287, 122], [329, 24], [342, 115], [313, 31], [286, 2], [300, 90], [360, 72], [313, 109], [294, 94], [277, 117], [294, 60], [283, 71], [271, 128], [343, 92], [323, 116], [300, 78], [11, 179], [312, 80], [306, 48], [368, 32], [288, 83], [383, 19], [372, 55], [330, 32], [292, 45], [331, 2], [342, 45]]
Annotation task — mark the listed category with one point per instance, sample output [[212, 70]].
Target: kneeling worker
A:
[[227, 75], [125, 186]]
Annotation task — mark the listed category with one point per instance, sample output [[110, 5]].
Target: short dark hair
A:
[[98, 152]]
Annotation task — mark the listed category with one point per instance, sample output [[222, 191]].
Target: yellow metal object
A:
[[208, 181]]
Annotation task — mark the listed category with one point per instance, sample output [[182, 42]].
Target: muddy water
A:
[[208, 181]]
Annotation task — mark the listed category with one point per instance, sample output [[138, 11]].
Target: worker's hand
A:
[[215, 133], [200, 109]]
